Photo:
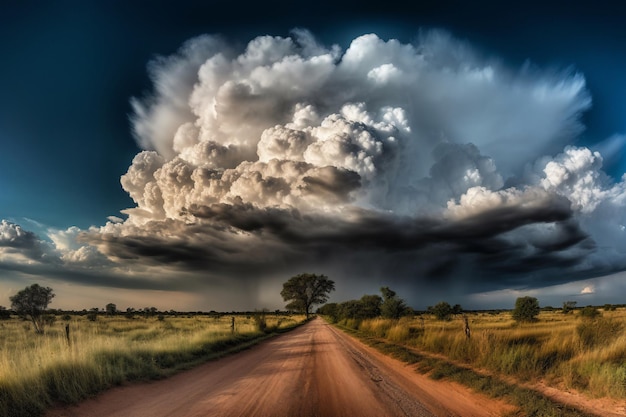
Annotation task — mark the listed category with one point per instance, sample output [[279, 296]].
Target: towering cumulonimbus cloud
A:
[[412, 160], [418, 124]]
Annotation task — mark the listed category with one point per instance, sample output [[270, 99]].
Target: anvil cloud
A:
[[424, 166]]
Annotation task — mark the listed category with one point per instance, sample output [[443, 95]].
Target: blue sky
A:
[[71, 68]]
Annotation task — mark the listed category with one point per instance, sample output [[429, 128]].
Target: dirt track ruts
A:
[[314, 370]]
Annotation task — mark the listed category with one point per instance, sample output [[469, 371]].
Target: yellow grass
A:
[[39, 370], [563, 350]]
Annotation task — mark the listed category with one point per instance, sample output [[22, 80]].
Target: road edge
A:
[[528, 400]]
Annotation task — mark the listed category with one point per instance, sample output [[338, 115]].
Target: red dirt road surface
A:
[[314, 370]]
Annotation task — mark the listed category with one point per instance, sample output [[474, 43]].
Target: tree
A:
[[31, 303], [370, 306], [526, 309], [457, 309], [330, 310], [568, 307], [442, 310], [93, 314], [111, 309], [393, 307], [305, 290], [350, 309]]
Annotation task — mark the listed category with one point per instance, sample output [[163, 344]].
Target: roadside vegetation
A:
[[569, 348], [106, 348]]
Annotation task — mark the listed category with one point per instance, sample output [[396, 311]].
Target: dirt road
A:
[[314, 370]]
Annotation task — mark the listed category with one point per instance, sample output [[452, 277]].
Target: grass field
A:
[[37, 371], [564, 350]]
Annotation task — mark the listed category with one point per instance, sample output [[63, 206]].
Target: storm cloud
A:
[[419, 165]]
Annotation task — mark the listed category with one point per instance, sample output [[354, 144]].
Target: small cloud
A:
[[115, 219], [589, 289]]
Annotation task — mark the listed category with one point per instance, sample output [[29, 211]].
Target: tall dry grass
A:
[[563, 350], [37, 371]]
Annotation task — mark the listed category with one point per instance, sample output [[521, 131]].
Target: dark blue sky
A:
[[70, 67]]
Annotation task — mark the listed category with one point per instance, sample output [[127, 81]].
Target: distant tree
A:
[[393, 307], [609, 307], [111, 309], [130, 313], [306, 290], [568, 307], [93, 314], [441, 310], [4, 313], [31, 303], [526, 309], [152, 311]]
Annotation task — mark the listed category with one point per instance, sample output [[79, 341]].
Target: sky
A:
[[195, 155]]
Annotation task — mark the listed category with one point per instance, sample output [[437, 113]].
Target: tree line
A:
[[387, 305], [302, 292]]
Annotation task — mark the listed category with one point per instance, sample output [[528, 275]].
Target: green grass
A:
[[38, 371]]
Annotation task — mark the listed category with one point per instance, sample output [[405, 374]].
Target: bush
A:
[[443, 311], [598, 332], [526, 309], [260, 321], [590, 312], [568, 307]]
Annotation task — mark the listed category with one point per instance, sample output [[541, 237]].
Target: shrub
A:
[[443, 311], [260, 320], [590, 312], [568, 307], [526, 309], [598, 332]]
